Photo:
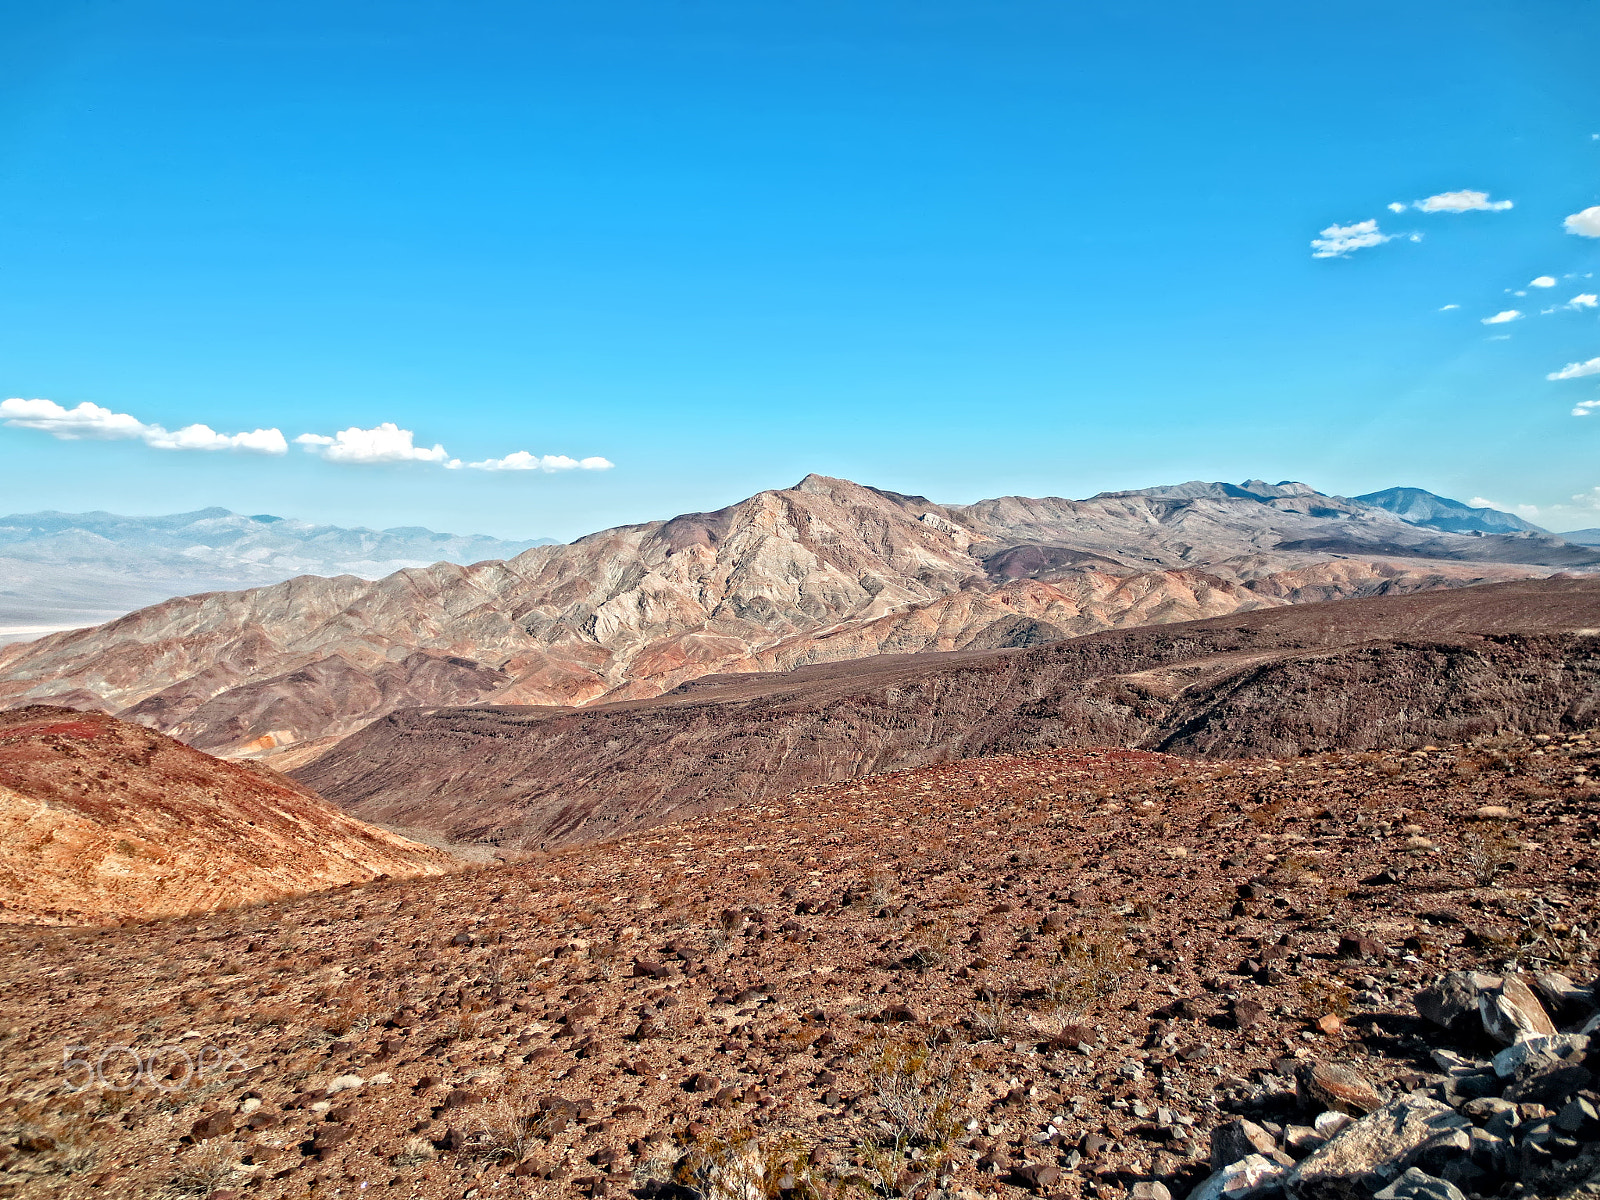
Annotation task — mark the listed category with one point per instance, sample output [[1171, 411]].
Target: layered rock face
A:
[[1389, 672], [102, 820], [824, 571]]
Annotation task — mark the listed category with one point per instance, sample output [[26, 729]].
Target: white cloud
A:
[[1463, 201], [1576, 370], [521, 460], [1448, 307], [203, 437], [1585, 300], [1585, 223], [385, 443], [1543, 281], [1582, 409], [1502, 318], [91, 421], [1395, 206], [1337, 241]]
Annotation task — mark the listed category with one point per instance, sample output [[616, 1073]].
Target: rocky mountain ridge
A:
[[1393, 672], [823, 571]]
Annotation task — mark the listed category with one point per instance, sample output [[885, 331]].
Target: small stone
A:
[[1330, 1024], [1354, 945], [345, 1083], [1041, 1177], [1535, 1053], [1419, 1185], [215, 1125], [1330, 1123], [1247, 1013], [1492, 812], [1239, 1139], [1301, 1140], [1512, 1012], [1149, 1189], [1339, 1087]]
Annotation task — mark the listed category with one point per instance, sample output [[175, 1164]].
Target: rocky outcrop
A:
[[1397, 671], [102, 821], [824, 571]]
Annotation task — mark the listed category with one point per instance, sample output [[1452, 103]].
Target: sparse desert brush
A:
[[1485, 853], [916, 1086], [1322, 996], [203, 1170], [745, 1165], [1087, 969], [415, 1150]]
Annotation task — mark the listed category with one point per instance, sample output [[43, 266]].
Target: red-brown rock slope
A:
[[101, 820]]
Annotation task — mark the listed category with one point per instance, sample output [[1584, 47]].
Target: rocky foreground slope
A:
[[101, 820], [820, 572], [1073, 973], [1385, 673]]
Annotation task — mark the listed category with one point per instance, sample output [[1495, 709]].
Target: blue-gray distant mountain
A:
[[1582, 537], [62, 569], [1419, 507]]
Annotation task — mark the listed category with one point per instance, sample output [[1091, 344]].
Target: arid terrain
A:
[[820, 572], [102, 820], [1064, 973], [1394, 672]]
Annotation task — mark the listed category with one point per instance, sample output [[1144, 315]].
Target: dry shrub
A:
[[916, 1086], [1088, 969], [743, 1165], [1485, 854]]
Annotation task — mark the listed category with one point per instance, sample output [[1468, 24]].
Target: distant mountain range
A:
[[824, 571], [66, 569], [1436, 512]]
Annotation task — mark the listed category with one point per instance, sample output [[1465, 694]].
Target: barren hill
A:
[[823, 571], [102, 820], [1385, 672], [1090, 974]]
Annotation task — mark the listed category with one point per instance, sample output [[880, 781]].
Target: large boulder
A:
[[1371, 1153], [1452, 1001]]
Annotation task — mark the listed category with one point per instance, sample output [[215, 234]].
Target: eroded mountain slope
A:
[[1355, 674], [822, 571]]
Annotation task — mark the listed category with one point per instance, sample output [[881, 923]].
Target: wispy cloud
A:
[[1338, 241], [1522, 510], [1582, 302], [1503, 318], [1582, 409], [1460, 202], [521, 460], [1448, 307], [1585, 223], [1576, 370], [89, 421]]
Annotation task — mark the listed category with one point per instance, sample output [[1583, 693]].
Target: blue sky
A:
[[958, 249]]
